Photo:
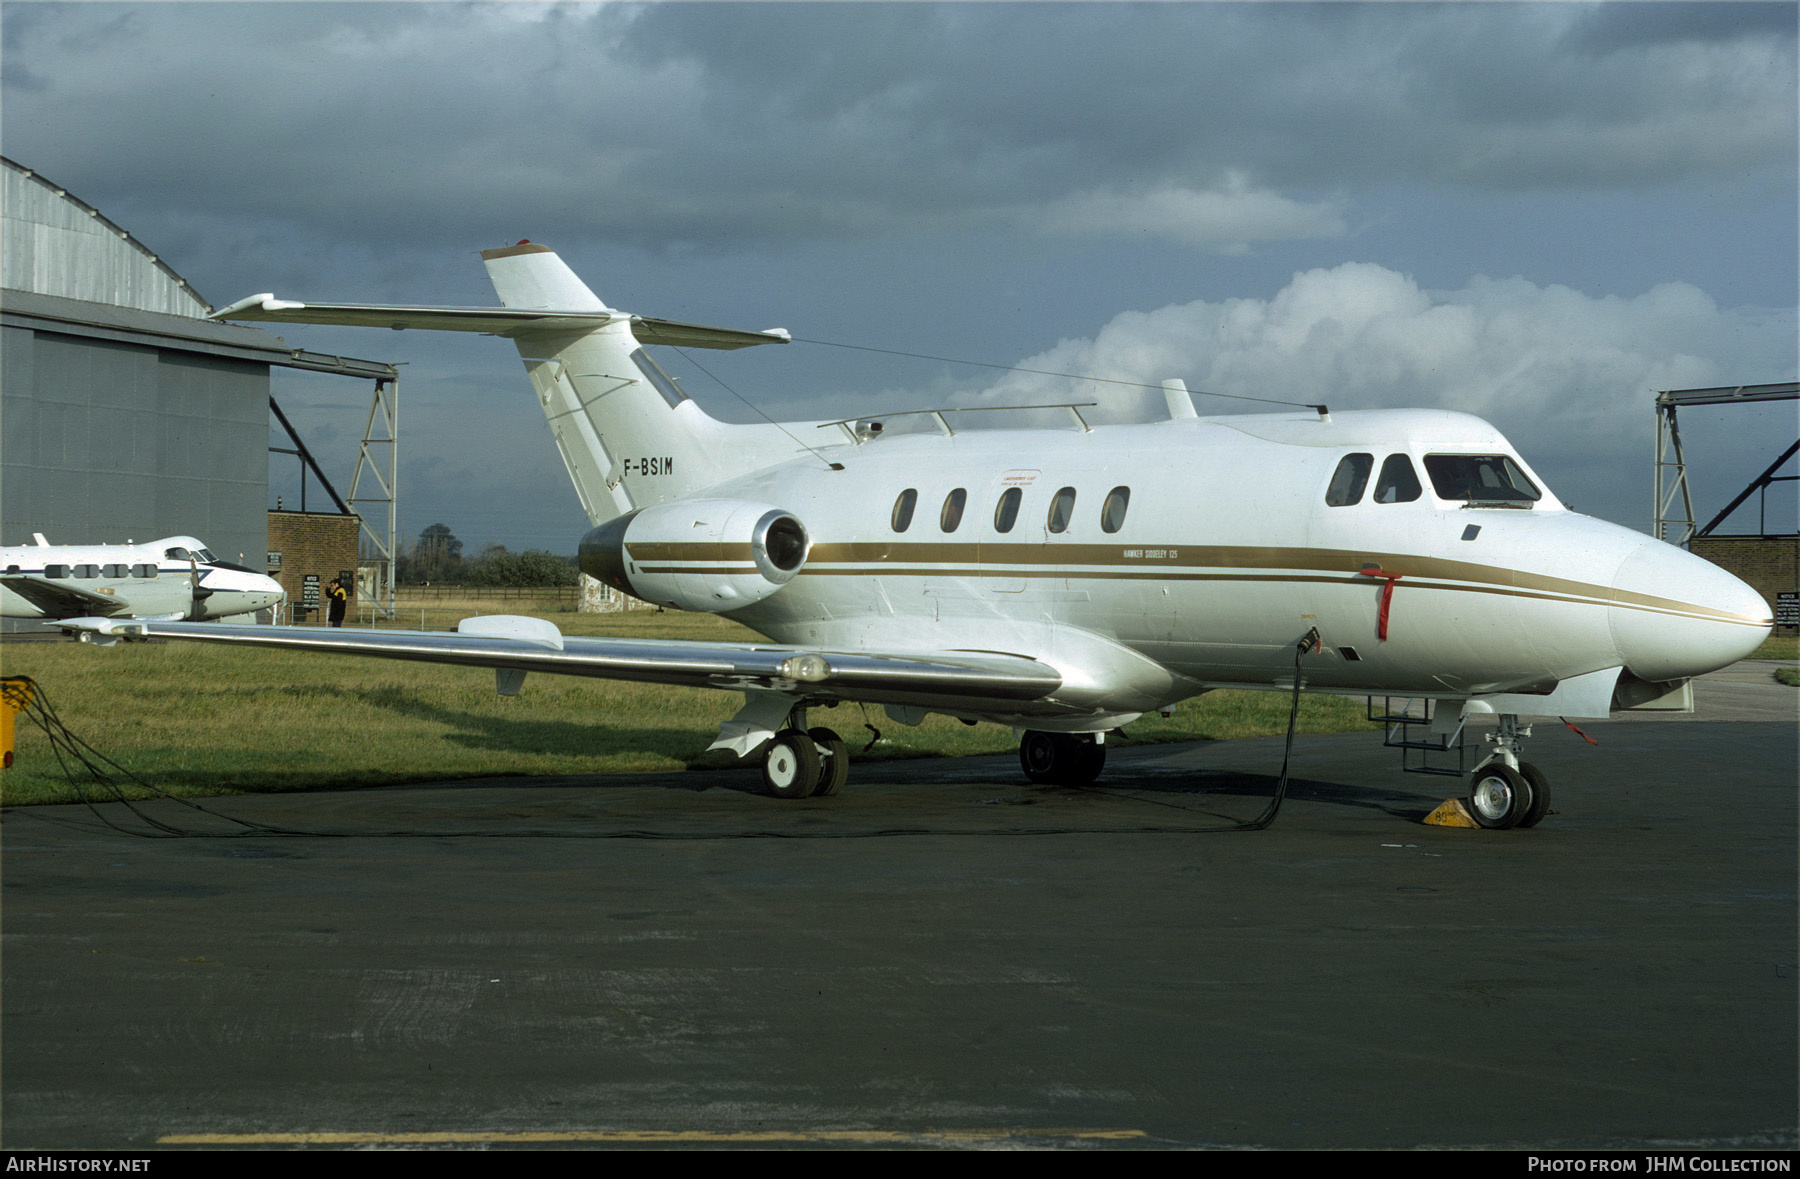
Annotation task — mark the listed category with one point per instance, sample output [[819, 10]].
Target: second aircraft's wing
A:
[[495, 321], [60, 600], [511, 644]]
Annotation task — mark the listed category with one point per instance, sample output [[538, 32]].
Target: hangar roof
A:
[[57, 244]]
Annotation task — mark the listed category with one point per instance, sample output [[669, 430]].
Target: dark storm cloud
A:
[[1385, 193], [708, 125]]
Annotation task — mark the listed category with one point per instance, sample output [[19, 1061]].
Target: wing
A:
[[57, 600], [496, 321], [516, 645]]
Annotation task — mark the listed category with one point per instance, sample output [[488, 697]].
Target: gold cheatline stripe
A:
[[1108, 561], [1112, 563], [353, 1137]]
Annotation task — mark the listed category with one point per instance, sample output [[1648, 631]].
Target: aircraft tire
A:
[[791, 765], [1499, 796], [1540, 795], [835, 768], [1060, 759]]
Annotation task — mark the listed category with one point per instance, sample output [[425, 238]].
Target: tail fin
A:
[[533, 278], [627, 433]]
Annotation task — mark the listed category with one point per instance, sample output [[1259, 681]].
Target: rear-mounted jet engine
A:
[[708, 555]]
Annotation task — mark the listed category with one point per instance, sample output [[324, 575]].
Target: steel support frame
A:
[[377, 547], [1670, 476]]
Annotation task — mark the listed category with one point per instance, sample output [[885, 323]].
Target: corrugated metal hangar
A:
[[124, 412]]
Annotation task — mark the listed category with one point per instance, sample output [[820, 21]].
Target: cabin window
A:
[[1348, 481], [117, 571], [1399, 483], [661, 381], [11, 570], [951, 516], [1062, 510], [1006, 512], [56, 571], [145, 570], [1480, 479], [87, 572], [903, 509], [1112, 512]]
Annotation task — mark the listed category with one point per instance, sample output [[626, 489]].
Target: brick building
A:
[[308, 549], [1769, 564]]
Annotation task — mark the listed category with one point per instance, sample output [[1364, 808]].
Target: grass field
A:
[[195, 719]]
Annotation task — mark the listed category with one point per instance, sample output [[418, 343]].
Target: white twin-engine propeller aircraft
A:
[[1066, 580], [172, 578]]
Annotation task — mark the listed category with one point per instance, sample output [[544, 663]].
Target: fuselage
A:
[[1210, 546], [154, 579]]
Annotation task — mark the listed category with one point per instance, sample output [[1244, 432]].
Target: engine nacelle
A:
[[709, 555]]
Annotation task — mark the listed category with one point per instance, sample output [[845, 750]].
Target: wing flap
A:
[[838, 675]]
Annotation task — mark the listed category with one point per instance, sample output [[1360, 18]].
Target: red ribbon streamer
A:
[[1387, 598]]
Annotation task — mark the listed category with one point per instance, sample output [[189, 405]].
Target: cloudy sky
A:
[[1536, 212]]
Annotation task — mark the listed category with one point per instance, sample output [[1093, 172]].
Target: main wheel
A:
[[1540, 794], [835, 768], [791, 765], [1060, 759], [1499, 796]]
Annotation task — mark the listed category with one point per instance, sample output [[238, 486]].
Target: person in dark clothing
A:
[[337, 601]]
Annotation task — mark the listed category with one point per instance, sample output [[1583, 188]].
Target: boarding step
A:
[[1425, 748]]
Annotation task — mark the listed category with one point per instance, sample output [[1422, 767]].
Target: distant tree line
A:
[[437, 559]]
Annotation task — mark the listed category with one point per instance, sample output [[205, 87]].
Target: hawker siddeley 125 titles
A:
[[175, 577], [1060, 580]]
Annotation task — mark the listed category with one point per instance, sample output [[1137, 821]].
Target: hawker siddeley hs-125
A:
[[1063, 580]]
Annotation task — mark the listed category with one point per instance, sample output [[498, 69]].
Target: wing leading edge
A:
[[516, 645]]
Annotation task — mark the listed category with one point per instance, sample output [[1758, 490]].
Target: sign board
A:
[[1787, 609], [309, 591]]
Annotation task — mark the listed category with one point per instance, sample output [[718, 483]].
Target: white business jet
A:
[[173, 578], [1061, 580]]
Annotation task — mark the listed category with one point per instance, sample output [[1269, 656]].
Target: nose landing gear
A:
[[1504, 791]]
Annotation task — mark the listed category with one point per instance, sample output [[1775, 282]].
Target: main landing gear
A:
[[805, 763], [1061, 759], [1504, 791]]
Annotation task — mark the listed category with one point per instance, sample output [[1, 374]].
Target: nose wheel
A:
[[1506, 792]]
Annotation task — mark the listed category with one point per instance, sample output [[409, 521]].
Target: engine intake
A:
[[709, 555]]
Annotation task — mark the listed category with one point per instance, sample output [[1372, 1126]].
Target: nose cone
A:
[[1675, 615], [240, 593]]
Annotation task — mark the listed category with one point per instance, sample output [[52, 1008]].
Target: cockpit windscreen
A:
[[1489, 479]]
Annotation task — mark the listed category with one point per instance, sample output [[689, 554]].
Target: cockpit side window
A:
[[950, 519], [1480, 479], [1006, 512], [1348, 481], [175, 554], [1398, 483], [903, 509]]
